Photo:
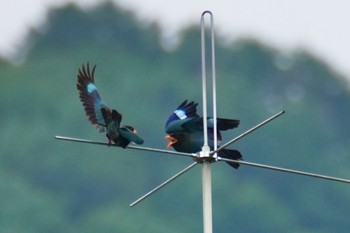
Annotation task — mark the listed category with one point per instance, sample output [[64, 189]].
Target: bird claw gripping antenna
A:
[[205, 156]]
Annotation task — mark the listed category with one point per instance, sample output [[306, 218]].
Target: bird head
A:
[[172, 140]]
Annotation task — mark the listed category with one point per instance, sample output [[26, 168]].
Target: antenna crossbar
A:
[[163, 184], [286, 170], [128, 147], [248, 132]]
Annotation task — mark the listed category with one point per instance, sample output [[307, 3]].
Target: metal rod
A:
[[204, 81], [214, 81], [248, 132], [162, 184], [219, 159], [206, 172], [207, 199], [286, 170], [129, 147]]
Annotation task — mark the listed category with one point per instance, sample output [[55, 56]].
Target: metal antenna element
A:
[[286, 170], [204, 84], [163, 184], [196, 157], [205, 153], [204, 77], [129, 147], [248, 131], [259, 165]]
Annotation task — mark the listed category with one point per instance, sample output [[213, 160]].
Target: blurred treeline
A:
[[53, 186]]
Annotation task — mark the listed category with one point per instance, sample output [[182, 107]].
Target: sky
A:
[[318, 26]]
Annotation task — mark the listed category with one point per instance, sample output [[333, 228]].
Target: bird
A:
[[184, 129], [99, 114]]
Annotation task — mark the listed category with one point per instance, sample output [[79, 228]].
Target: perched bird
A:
[[184, 129], [107, 120]]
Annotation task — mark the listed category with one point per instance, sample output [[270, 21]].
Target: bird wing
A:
[[109, 116], [89, 95], [185, 117], [185, 113], [222, 123]]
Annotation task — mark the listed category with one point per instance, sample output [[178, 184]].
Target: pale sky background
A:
[[320, 26]]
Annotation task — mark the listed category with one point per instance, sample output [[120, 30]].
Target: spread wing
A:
[[89, 96]]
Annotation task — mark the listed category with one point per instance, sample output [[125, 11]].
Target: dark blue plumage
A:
[[184, 129], [99, 114]]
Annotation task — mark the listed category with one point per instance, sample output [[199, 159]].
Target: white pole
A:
[[207, 201], [205, 153]]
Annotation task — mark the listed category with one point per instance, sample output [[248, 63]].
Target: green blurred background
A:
[[54, 186]]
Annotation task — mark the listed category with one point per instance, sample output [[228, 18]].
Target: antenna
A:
[[195, 157], [205, 153], [206, 157]]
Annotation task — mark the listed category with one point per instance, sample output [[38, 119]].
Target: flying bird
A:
[[184, 129], [106, 119]]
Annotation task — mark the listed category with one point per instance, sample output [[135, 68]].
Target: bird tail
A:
[[231, 154]]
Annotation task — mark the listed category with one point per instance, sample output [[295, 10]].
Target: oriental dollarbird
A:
[[184, 129], [106, 119]]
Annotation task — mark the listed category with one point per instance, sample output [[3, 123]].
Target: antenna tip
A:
[[207, 12]]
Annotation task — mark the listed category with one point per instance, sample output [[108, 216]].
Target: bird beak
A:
[[135, 131], [171, 140]]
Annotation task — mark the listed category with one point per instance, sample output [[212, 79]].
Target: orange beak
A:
[[171, 140]]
